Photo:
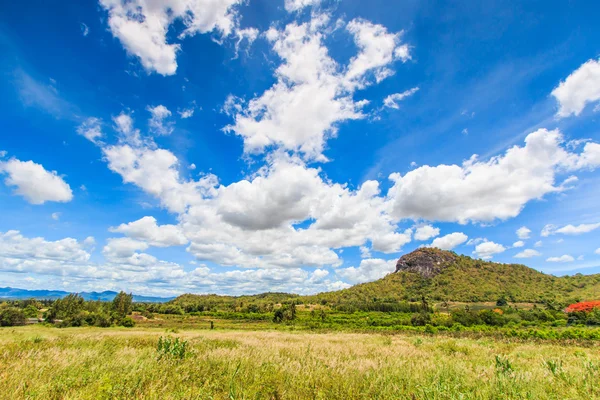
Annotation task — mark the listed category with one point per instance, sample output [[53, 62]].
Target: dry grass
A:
[[92, 363]]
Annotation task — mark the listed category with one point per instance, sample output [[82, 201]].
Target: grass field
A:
[[38, 362]]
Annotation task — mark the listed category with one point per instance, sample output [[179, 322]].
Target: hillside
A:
[[439, 276]]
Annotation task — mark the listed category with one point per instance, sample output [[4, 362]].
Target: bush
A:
[[174, 348], [420, 319], [30, 311], [11, 316], [127, 322]]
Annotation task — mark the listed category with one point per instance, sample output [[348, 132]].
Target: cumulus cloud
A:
[[55, 216], [528, 253], [392, 100], [562, 259], [313, 93], [488, 249], [483, 191], [34, 182], [579, 89], [597, 251], [142, 26], [369, 270], [157, 123], [14, 245], [426, 232], [146, 229], [450, 241], [296, 5], [569, 229], [519, 243], [523, 232]]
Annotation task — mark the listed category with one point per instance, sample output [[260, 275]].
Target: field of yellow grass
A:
[[38, 362]]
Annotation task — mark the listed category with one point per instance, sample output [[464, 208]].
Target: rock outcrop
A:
[[428, 262]]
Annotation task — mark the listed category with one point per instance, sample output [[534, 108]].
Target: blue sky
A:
[[236, 147]]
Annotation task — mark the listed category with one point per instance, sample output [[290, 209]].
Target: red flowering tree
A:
[[584, 306]]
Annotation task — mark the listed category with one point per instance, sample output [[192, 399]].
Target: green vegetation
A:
[[461, 280], [413, 334], [469, 280], [38, 362]]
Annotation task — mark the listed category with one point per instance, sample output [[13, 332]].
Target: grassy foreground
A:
[[94, 363]]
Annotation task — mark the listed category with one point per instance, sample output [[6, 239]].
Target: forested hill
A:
[[438, 276], [445, 276]]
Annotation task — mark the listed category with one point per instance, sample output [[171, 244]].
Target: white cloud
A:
[[579, 89], [538, 243], [142, 26], [569, 229], [365, 252], [34, 183], [597, 251], [91, 129], [519, 243], [146, 229], [523, 232], [392, 100], [85, 30], [15, 245], [426, 232], [296, 5], [157, 122], [528, 253], [369, 270], [313, 93], [156, 172], [483, 191], [487, 250], [562, 259], [378, 49], [476, 241], [55, 216], [450, 241], [186, 112]]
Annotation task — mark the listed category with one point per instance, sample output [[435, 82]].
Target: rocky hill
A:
[[436, 275], [443, 275]]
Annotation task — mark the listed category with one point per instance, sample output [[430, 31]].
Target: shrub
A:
[[420, 319], [11, 316], [30, 311], [174, 348], [584, 306], [127, 322]]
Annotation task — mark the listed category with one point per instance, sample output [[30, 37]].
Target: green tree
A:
[[67, 308], [501, 302], [30, 311], [122, 304], [11, 316]]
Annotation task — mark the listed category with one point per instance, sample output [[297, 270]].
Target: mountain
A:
[[443, 275], [20, 294], [436, 274]]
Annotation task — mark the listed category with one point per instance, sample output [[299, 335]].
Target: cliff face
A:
[[428, 262]]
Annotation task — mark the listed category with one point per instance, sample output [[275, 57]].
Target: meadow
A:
[[45, 362]]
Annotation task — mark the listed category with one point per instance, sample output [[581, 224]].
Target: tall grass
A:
[[92, 363]]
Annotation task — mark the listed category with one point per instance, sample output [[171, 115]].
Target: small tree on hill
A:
[[501, 302]]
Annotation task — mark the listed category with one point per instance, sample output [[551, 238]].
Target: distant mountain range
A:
[[20, 294]]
